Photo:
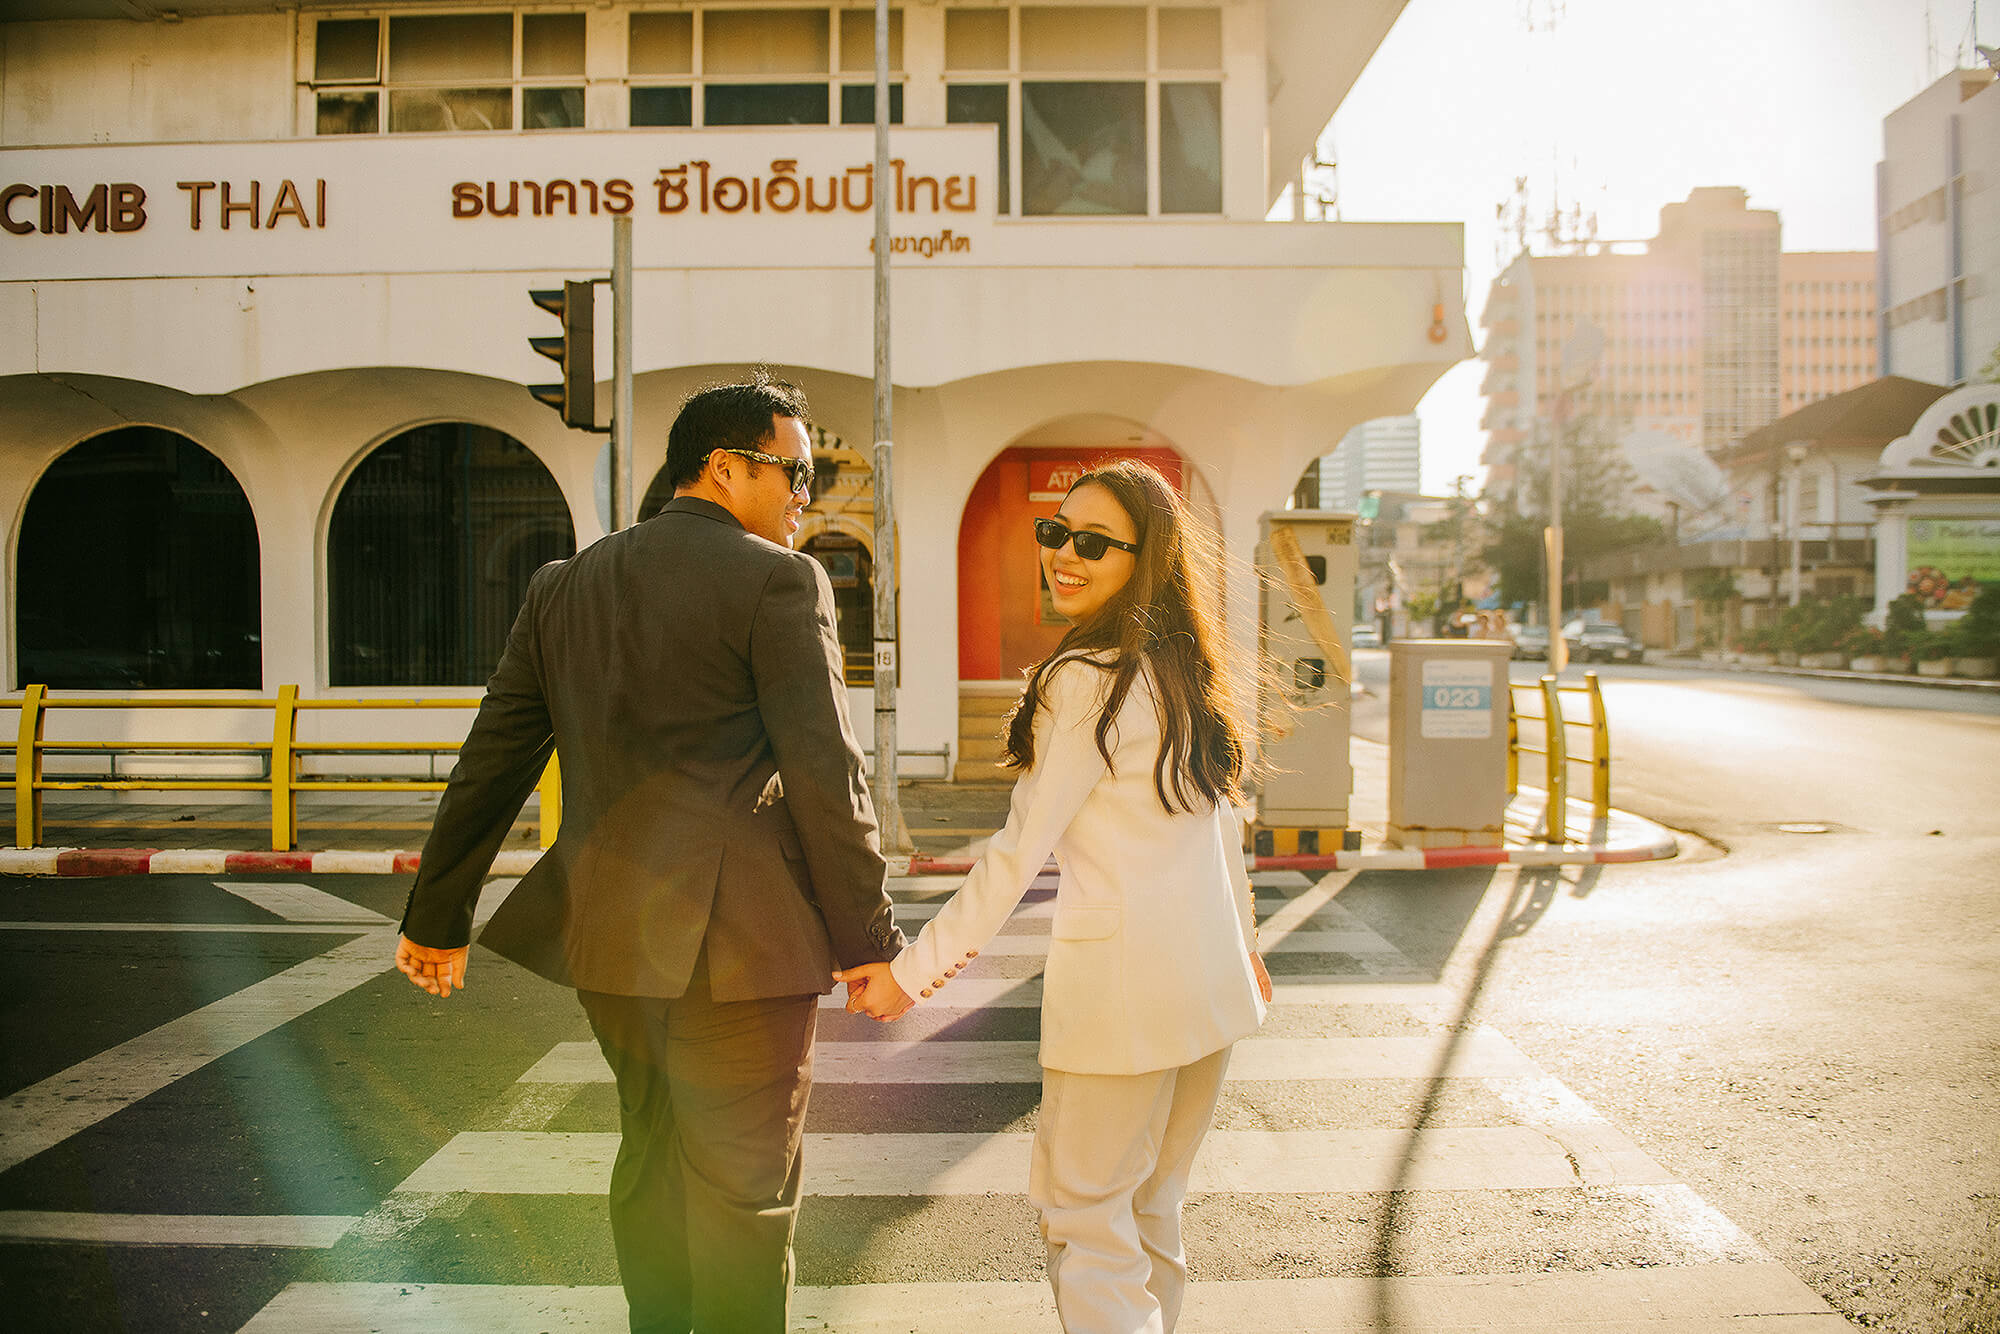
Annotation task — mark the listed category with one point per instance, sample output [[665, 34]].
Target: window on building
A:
[[431, 544], [1119, 107], [661, 46], [1083, 147], [857, 104], [442, 73], [983, 104], [138, 569]]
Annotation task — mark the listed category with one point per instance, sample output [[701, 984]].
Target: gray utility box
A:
[[1306, 563], [1448, 742]]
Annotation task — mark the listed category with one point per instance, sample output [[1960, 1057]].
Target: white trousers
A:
[[1110, 1169]]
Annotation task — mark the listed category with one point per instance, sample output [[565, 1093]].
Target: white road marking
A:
[[47, 1113], [1252, 1161], [301, 903], [1755, 1298], [988, 993], [1361, 942], [1482, 1054], [301, 1231]]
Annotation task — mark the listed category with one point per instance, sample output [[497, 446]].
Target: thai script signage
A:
[[799, 196]]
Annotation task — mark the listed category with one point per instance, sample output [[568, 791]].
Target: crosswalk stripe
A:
[[1242, 1161], [967, 994], [300, 903], [1747, 1298], [1296, 942], [49, 1112], [1482, 1054], [303, 1231]]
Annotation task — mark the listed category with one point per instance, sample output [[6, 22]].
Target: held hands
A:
[[436, 971], [1263, 978], [872, 990]]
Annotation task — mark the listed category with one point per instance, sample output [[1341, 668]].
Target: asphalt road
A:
[[1685, 1086], [1802, 1025]]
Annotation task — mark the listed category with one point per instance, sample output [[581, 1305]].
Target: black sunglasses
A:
[[1090, 546], [798, 472]]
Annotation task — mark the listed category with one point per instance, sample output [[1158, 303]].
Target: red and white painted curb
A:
[[155, 861]]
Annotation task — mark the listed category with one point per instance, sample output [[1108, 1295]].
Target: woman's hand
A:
[[872, 990], [1263, 978]]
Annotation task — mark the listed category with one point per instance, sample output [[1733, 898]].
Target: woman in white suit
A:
[[1129, 754]]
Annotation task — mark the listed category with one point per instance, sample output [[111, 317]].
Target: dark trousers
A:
[[705, 1191]]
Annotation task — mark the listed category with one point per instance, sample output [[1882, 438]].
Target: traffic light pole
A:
[[888, 801], [623, 503]]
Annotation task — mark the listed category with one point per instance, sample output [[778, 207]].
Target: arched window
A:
[[138, 568], [428, 556], [851, 571]]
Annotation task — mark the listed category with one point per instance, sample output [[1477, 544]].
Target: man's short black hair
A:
[[728, 416]]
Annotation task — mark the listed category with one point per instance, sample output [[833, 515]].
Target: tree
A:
[[1596, 480]]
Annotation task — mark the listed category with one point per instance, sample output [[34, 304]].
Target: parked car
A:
[[1531, 642], [1601, 641], [1367, 636]]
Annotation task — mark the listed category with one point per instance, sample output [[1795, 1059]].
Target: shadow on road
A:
[[1529, 898]]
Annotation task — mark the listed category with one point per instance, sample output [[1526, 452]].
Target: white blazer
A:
[[1149, 951]]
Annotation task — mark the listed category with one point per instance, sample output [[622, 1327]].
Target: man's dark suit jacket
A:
[[678, 667]]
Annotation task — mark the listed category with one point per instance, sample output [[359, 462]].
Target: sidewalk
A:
[[949, 823]]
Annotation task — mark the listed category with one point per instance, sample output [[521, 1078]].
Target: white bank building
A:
[[264, 312]]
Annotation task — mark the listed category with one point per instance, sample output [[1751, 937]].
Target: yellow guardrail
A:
[[283, 779], [1555, 747]]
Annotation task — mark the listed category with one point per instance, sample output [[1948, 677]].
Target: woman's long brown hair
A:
[[1163, 618]]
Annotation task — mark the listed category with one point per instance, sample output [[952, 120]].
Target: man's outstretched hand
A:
[[436, 971], [872, 990]]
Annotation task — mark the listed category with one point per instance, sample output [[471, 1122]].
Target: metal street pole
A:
[[1579, 362], [622, 504], [1795, 455], [888, 802], [1552, 540]]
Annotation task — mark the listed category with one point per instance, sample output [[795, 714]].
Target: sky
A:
[[1623, 106]]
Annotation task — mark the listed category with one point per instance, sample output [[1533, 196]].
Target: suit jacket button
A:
[[925, 992], [937, 981], [972, 954]]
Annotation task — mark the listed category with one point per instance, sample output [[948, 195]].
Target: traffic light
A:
[[575, 397]]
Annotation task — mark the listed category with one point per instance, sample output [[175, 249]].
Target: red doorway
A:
[[1004, 625]]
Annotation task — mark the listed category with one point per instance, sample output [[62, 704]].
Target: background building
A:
[[264, 275], [1381, 455], [1709, 332], [1937, 200]]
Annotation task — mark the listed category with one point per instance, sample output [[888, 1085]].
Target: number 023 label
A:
[[1457, 701]]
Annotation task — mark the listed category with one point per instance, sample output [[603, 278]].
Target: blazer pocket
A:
[[1078, 923]]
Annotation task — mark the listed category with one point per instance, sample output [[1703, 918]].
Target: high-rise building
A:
[[1938, 230], [1701, 330], [1385, 454], [1826, 321]]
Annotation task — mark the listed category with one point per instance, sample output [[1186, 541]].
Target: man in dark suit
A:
[[718, 855]]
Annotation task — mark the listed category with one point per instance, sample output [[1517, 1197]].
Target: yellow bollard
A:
[[28, 770], [551, 789], [1600, 752], [284, 768], [1513, 745], [1557, 748]]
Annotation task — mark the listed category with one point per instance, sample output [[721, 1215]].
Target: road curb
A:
[[98, 862], [1972, 683]]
